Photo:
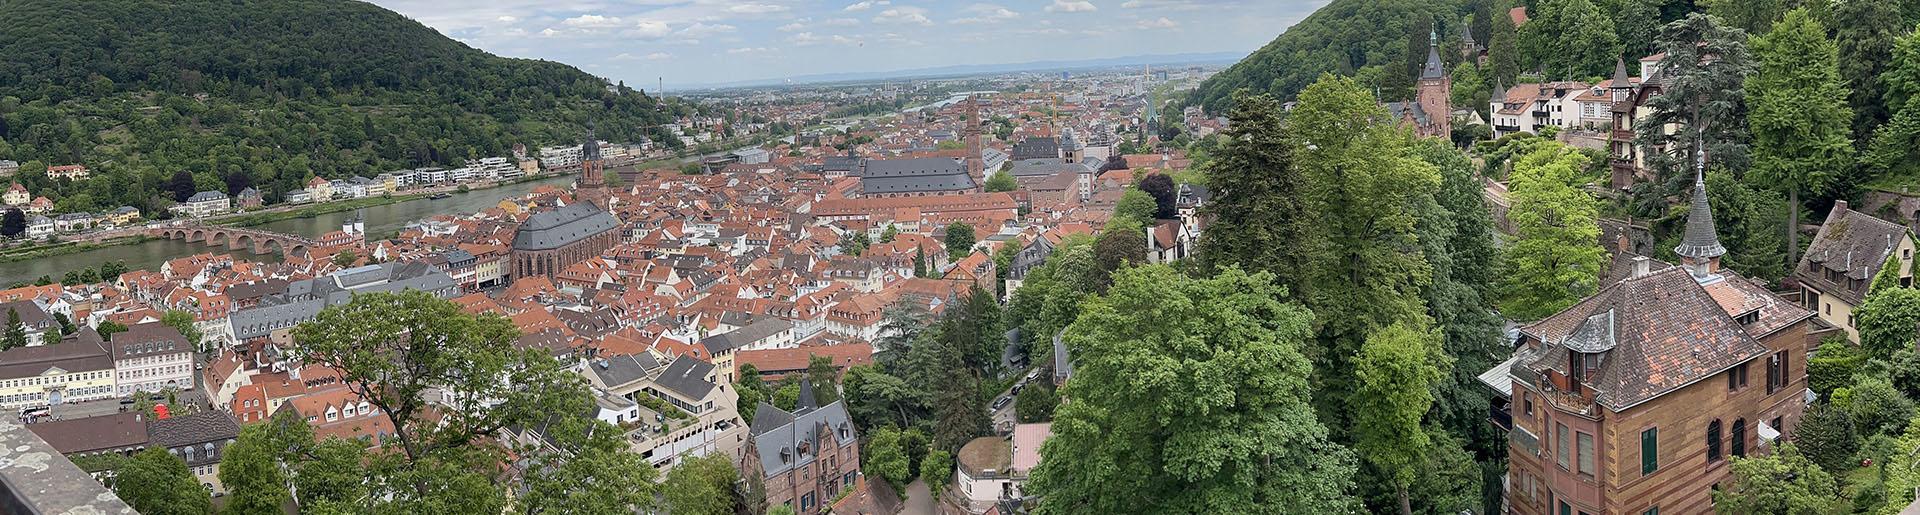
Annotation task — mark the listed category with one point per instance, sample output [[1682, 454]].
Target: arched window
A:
[[1740, 437], [1713, 441]]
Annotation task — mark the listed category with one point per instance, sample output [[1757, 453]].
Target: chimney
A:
[[1840, 205], [1642, 266]]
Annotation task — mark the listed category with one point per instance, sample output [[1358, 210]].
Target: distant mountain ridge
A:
[[974, 69], [268, 92]]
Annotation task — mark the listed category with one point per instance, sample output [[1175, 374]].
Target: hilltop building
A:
[[1430, 111], [1634, 399]]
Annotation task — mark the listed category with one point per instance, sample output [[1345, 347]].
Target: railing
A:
[[1501, 416]]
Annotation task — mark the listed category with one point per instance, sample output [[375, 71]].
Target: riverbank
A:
[[311, 210], [47, 250]]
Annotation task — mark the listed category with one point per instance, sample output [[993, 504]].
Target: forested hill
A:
[[1345, 36], [266, 92]]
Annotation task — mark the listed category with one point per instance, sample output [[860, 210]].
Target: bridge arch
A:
[[198, 235], [243, 241], [217, 238]]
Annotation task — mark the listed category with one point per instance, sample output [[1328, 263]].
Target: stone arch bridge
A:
[[235, 238]]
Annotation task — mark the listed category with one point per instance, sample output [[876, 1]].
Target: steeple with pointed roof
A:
[[1700, 248], [1434, 68]]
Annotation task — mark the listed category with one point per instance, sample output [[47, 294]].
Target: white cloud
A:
[[700, 30], [809, 38], [507, 19], [1162, 23], [841, 22], [592, 21], [749, 50], [863, 5], [795, 26], [986, 13], [656, 56], [756, 8], [1180, 5], [649, 29], [1071, 6], [903, 15], [549, 32]]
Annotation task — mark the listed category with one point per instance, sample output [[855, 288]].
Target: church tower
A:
[[976, 167], [593, 180], [1435, 91]]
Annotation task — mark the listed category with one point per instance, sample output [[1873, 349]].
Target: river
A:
[[382, 222]]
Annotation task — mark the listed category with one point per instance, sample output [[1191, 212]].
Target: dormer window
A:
[[1748, 318]]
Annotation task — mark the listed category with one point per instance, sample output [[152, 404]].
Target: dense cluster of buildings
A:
[[658, 291]]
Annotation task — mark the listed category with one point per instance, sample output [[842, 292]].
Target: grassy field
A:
[[46, 250]]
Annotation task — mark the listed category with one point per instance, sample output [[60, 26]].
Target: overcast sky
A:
[[712, 41]]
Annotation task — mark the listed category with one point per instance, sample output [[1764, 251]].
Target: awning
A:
[[1499, 378], [1767, 433]]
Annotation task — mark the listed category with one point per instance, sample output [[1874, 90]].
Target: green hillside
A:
[[266, 93], [1344, 36]]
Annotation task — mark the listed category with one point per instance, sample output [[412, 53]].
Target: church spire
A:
[[1700, 249], [1434, 69]]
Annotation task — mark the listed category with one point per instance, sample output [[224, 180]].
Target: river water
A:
[[382, 222]]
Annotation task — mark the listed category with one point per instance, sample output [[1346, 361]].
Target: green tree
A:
[[1875, 406], [1703, 103], [16, 335], [1798, 118], [1555, 257], [1364, 268], [1826, 436], [1115, 249], [885, 457], [182, 321], [107, 328], [855, 243], [1001, 181], [110, 271], [1258, 209], [1397, 371], [701, 486], [1160, 188], [1503, 50], [1133, 212], [1889, 321], [959, 240], [937, 470], [1887, 277], [1864, 32], [875, 398], [13, 223], [1781, 482], [825, 379], [345, 258], [390, 348], [1169, 370], [156, 482], [1753, 16], [250, 470], [887, 235], [752, 391], [1833, 366], [1035, 403]]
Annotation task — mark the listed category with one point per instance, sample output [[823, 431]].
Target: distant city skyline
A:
[[704, 42]]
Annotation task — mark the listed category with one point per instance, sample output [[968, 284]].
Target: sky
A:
[[688, 42]]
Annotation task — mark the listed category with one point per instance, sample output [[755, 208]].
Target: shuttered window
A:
[[1649, 451]]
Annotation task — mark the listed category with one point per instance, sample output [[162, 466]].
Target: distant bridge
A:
[[234, 238]]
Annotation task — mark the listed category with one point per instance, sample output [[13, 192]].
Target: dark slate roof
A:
[[256, 289], [1036, 147], [776, 432], [687, 377], [758, 330], [205, 196], [1850, 242], [925, 174], [32, 316], [841, 164], [90, 434], [556, 228], [79, 352], [197, 428], [1433, 69], [1668, 330], [1701, 241], [1620, 78], [148, 339], [1398, 110], [619, 370]]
